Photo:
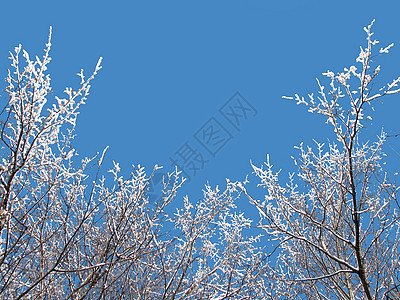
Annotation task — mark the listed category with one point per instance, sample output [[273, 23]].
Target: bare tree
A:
[[336, 222], [70, 231]]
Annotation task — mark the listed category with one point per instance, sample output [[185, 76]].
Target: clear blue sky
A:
[[170, 70]]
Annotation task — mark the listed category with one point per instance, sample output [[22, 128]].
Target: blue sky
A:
[[174, 70]]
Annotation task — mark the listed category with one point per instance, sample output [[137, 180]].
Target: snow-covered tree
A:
[[71, 231], [335, 224]]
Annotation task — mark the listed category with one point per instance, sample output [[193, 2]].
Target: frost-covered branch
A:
[[336, 221]]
